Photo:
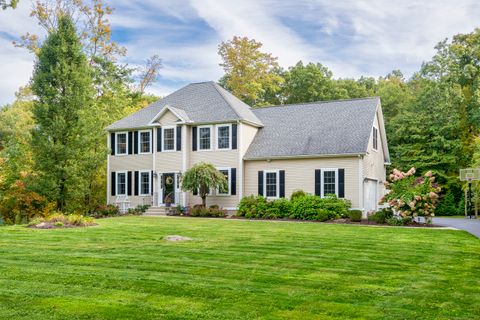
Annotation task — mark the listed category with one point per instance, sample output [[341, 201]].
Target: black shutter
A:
[[112, 143], [136, 183], [179, 138], [282, 183], [129, 183], [159, 139], [114, 182], [135, 142], [260, 183], [195, 192], [318, 182], [151, 182], [341, 183], [130, 142], [194, 138], [234, 136], [233, 181]]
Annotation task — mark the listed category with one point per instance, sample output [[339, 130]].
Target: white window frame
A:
[[149, 174], [116, 143], [140, 141], [229, 193], [198, 138], [174, 138], [116, 183], [375, 138], [277, 172], [322, 184], [229, 125]]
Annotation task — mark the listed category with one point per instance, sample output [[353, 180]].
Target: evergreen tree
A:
[[62, 84]]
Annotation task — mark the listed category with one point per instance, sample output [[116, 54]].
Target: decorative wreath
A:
[[169, 180]]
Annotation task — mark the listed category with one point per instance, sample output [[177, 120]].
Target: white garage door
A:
[[370, 195]]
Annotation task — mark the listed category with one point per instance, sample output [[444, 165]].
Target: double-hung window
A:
[[225, 191], [204, 138], [329, 182], [121, 184], [271, 184], [375, 138], [121, 143], [168, 139], [145, 141], [144, 183], [224, 137]]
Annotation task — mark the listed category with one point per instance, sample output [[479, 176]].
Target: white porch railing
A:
[[123, 203]]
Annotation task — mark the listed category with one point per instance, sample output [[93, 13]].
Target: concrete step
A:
[[156, 211]]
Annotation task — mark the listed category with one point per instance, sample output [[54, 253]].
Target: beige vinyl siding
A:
[[374, 160], [170, 161], [167, 119], [248, 134], [300, 174], [131, 162]]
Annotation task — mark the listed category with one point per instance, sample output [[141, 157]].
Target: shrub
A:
[[297, 194], [312, 207], [355, 215], [399, 221], [381, 216], [448, 206], [58, 224], [201, 211], [138, 210], [412, 196], [60, 220], [252, 207], [106, 211]]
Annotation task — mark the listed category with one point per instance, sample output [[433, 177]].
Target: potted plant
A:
[[168, 200]]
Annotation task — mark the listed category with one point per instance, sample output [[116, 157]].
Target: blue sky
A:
[[352, 38]]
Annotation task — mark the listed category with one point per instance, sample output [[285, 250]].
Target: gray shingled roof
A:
[[319, 128], [201, 102]]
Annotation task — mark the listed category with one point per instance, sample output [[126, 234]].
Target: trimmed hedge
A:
[[302, 207]]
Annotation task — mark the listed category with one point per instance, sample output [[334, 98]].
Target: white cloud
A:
[[352, 38]]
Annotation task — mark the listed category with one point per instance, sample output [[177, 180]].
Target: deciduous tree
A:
[[202, 178]]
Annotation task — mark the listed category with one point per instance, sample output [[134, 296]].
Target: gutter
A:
[[307, 156]]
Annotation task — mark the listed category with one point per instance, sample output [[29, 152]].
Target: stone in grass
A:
[[177, 238]]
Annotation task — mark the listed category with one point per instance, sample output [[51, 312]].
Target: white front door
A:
[[370, 195]]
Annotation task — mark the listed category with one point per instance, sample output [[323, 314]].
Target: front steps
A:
[[156, 211]]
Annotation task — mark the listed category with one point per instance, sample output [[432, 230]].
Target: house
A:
[[327, 147]]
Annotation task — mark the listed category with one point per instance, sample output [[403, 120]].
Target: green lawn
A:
[[123, 269]]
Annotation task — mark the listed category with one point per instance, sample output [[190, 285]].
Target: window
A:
[[122, 143], [144, 183], [329, 182], [204, 138], [225, 191], [121, 183], [168, 139], [145, 141], [224, 137], [271, 184], [375, 138]]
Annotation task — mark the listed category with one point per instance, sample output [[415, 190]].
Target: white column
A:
[[240, 160], [154, 166], [184, 160]]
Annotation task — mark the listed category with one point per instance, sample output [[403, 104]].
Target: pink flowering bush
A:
[[412, 196]]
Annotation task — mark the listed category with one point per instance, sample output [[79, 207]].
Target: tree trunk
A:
[[204, 201]]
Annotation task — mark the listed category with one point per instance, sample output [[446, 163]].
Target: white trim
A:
[[109, 175], [198, 138], [149, 174], [229, 193], [165, 108], [217, 127], [277, 172], [116, 143], [322, 180], [116, 183], [185, 149], [240, 160], [139, 143], [307, 156], [154, 166], [174, 138], [176, 187]]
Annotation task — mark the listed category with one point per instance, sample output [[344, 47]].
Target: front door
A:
[[168, 188]]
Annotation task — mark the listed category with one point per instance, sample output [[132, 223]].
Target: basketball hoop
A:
[[469, 175]]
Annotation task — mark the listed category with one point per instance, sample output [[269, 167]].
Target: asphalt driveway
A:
[[469, 225]]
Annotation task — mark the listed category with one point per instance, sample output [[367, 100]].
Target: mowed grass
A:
[[124, 269]]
